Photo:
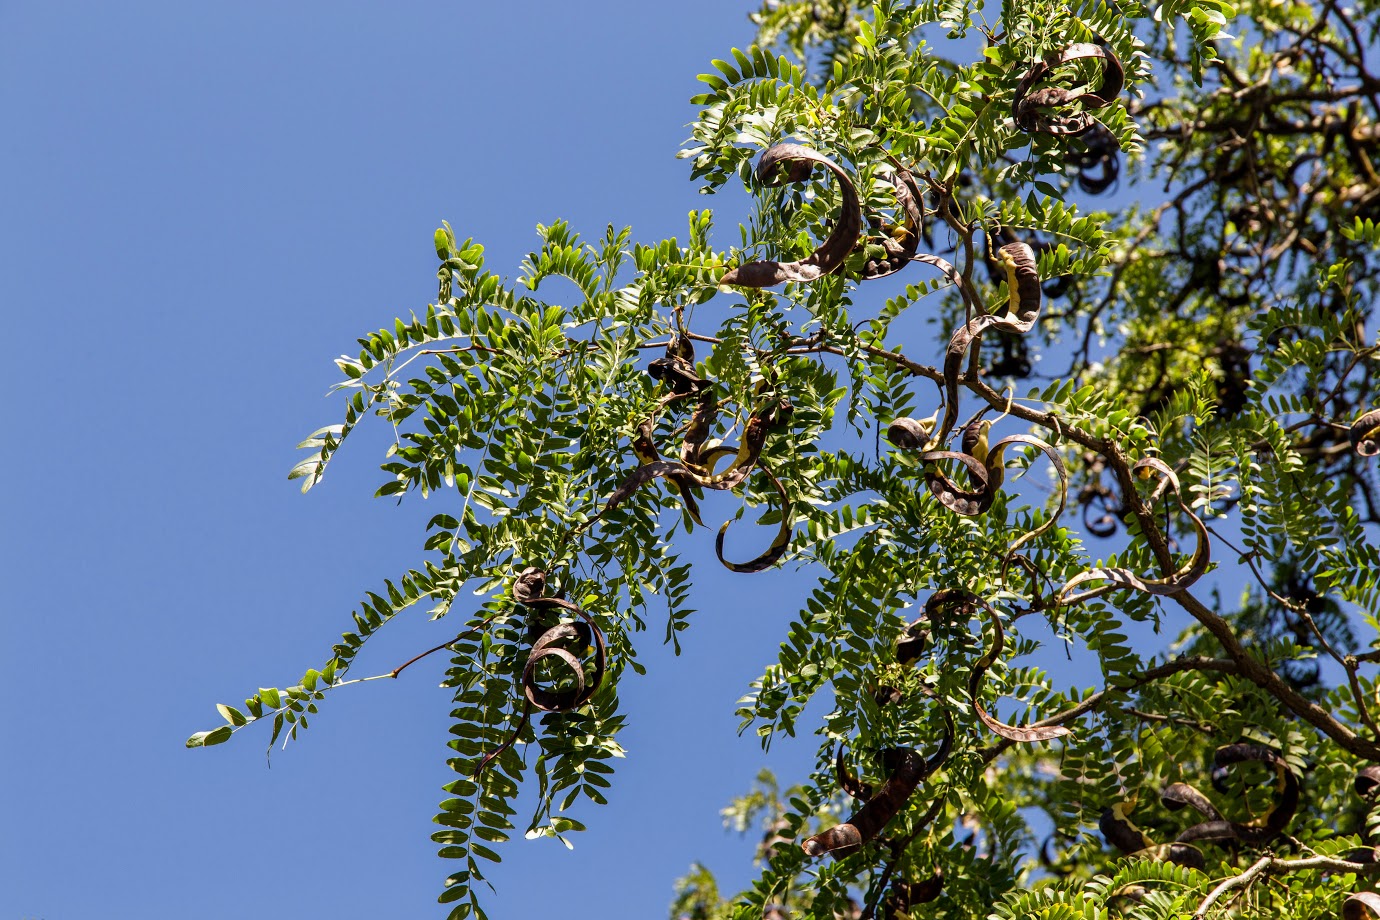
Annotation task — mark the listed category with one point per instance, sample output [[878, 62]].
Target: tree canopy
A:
[[1050, 327]]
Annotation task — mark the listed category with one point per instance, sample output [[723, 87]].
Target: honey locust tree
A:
[[1049, 325]]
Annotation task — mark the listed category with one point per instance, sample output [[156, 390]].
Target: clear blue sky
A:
[[202, 205]]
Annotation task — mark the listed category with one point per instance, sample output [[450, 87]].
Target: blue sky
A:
[[203, 204]]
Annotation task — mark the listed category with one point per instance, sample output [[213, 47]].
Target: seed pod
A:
[[1365, 434], [831, 254]]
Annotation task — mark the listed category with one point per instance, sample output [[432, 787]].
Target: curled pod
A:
[[1019, 263], [1022, 734], [530, 584], [1118, 829], [906, 769], [903, 241], [1365, 434], [1044, 111], [553, 645], [1259, 830], [550, 646], [679, 480], [797, 161], [1176, 796], [676, 368], [676, 373], [779, 545], [1367, 783], [1018, 267], [529, 589], [1363, 905], [849, 781], [913, 643], [989, 474], [1182, 578], [1098, 163], [1101, 513], [905, 894], [909, 433]]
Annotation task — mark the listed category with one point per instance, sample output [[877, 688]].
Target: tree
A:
[[1210, 435]]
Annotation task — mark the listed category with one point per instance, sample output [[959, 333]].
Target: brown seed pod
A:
[[989, 474], [909, 433], [1187, 574], [906, 894], [1365, 434], [1038, 111], [903, 240], [1009, 732], [1266, 827], [1363, 905], [1117, 827], [1018, 262], [906, 769], [779, 545], [1176, 796], [832, 253], [552, 644], [913, 643], [530, 584], [1367, 783], [1098, 163]]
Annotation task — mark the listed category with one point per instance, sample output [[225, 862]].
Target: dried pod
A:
[[1363, 905], [1186, 575], [906, 894], [779, 545], [1367, 782], [903, 240], [913, 643], [1179, 795], [909, 433], [555, 645], [906, 770], [1039, 111], [1118, 829], [1098, 163], [1018, 265], [1260, 830], [1365, 434], [530, 584], [832, 253]]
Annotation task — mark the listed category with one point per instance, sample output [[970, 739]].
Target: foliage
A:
[[1200, 362]]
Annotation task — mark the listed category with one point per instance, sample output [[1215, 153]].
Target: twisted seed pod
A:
[[1363, 905], [1117, 827], [547, 646], [1176, 796], [909, 433], [1010, 732], [912, 216], [1367, 782], [848, 780], [906, 894], [779, 545], [679, 480], [1266, 827], [1101, 153], [1365, 434], [529, 589], [989, 474], [832, 253], [1018, 262], [1186, 575], [906, 769], [1031, 110]]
